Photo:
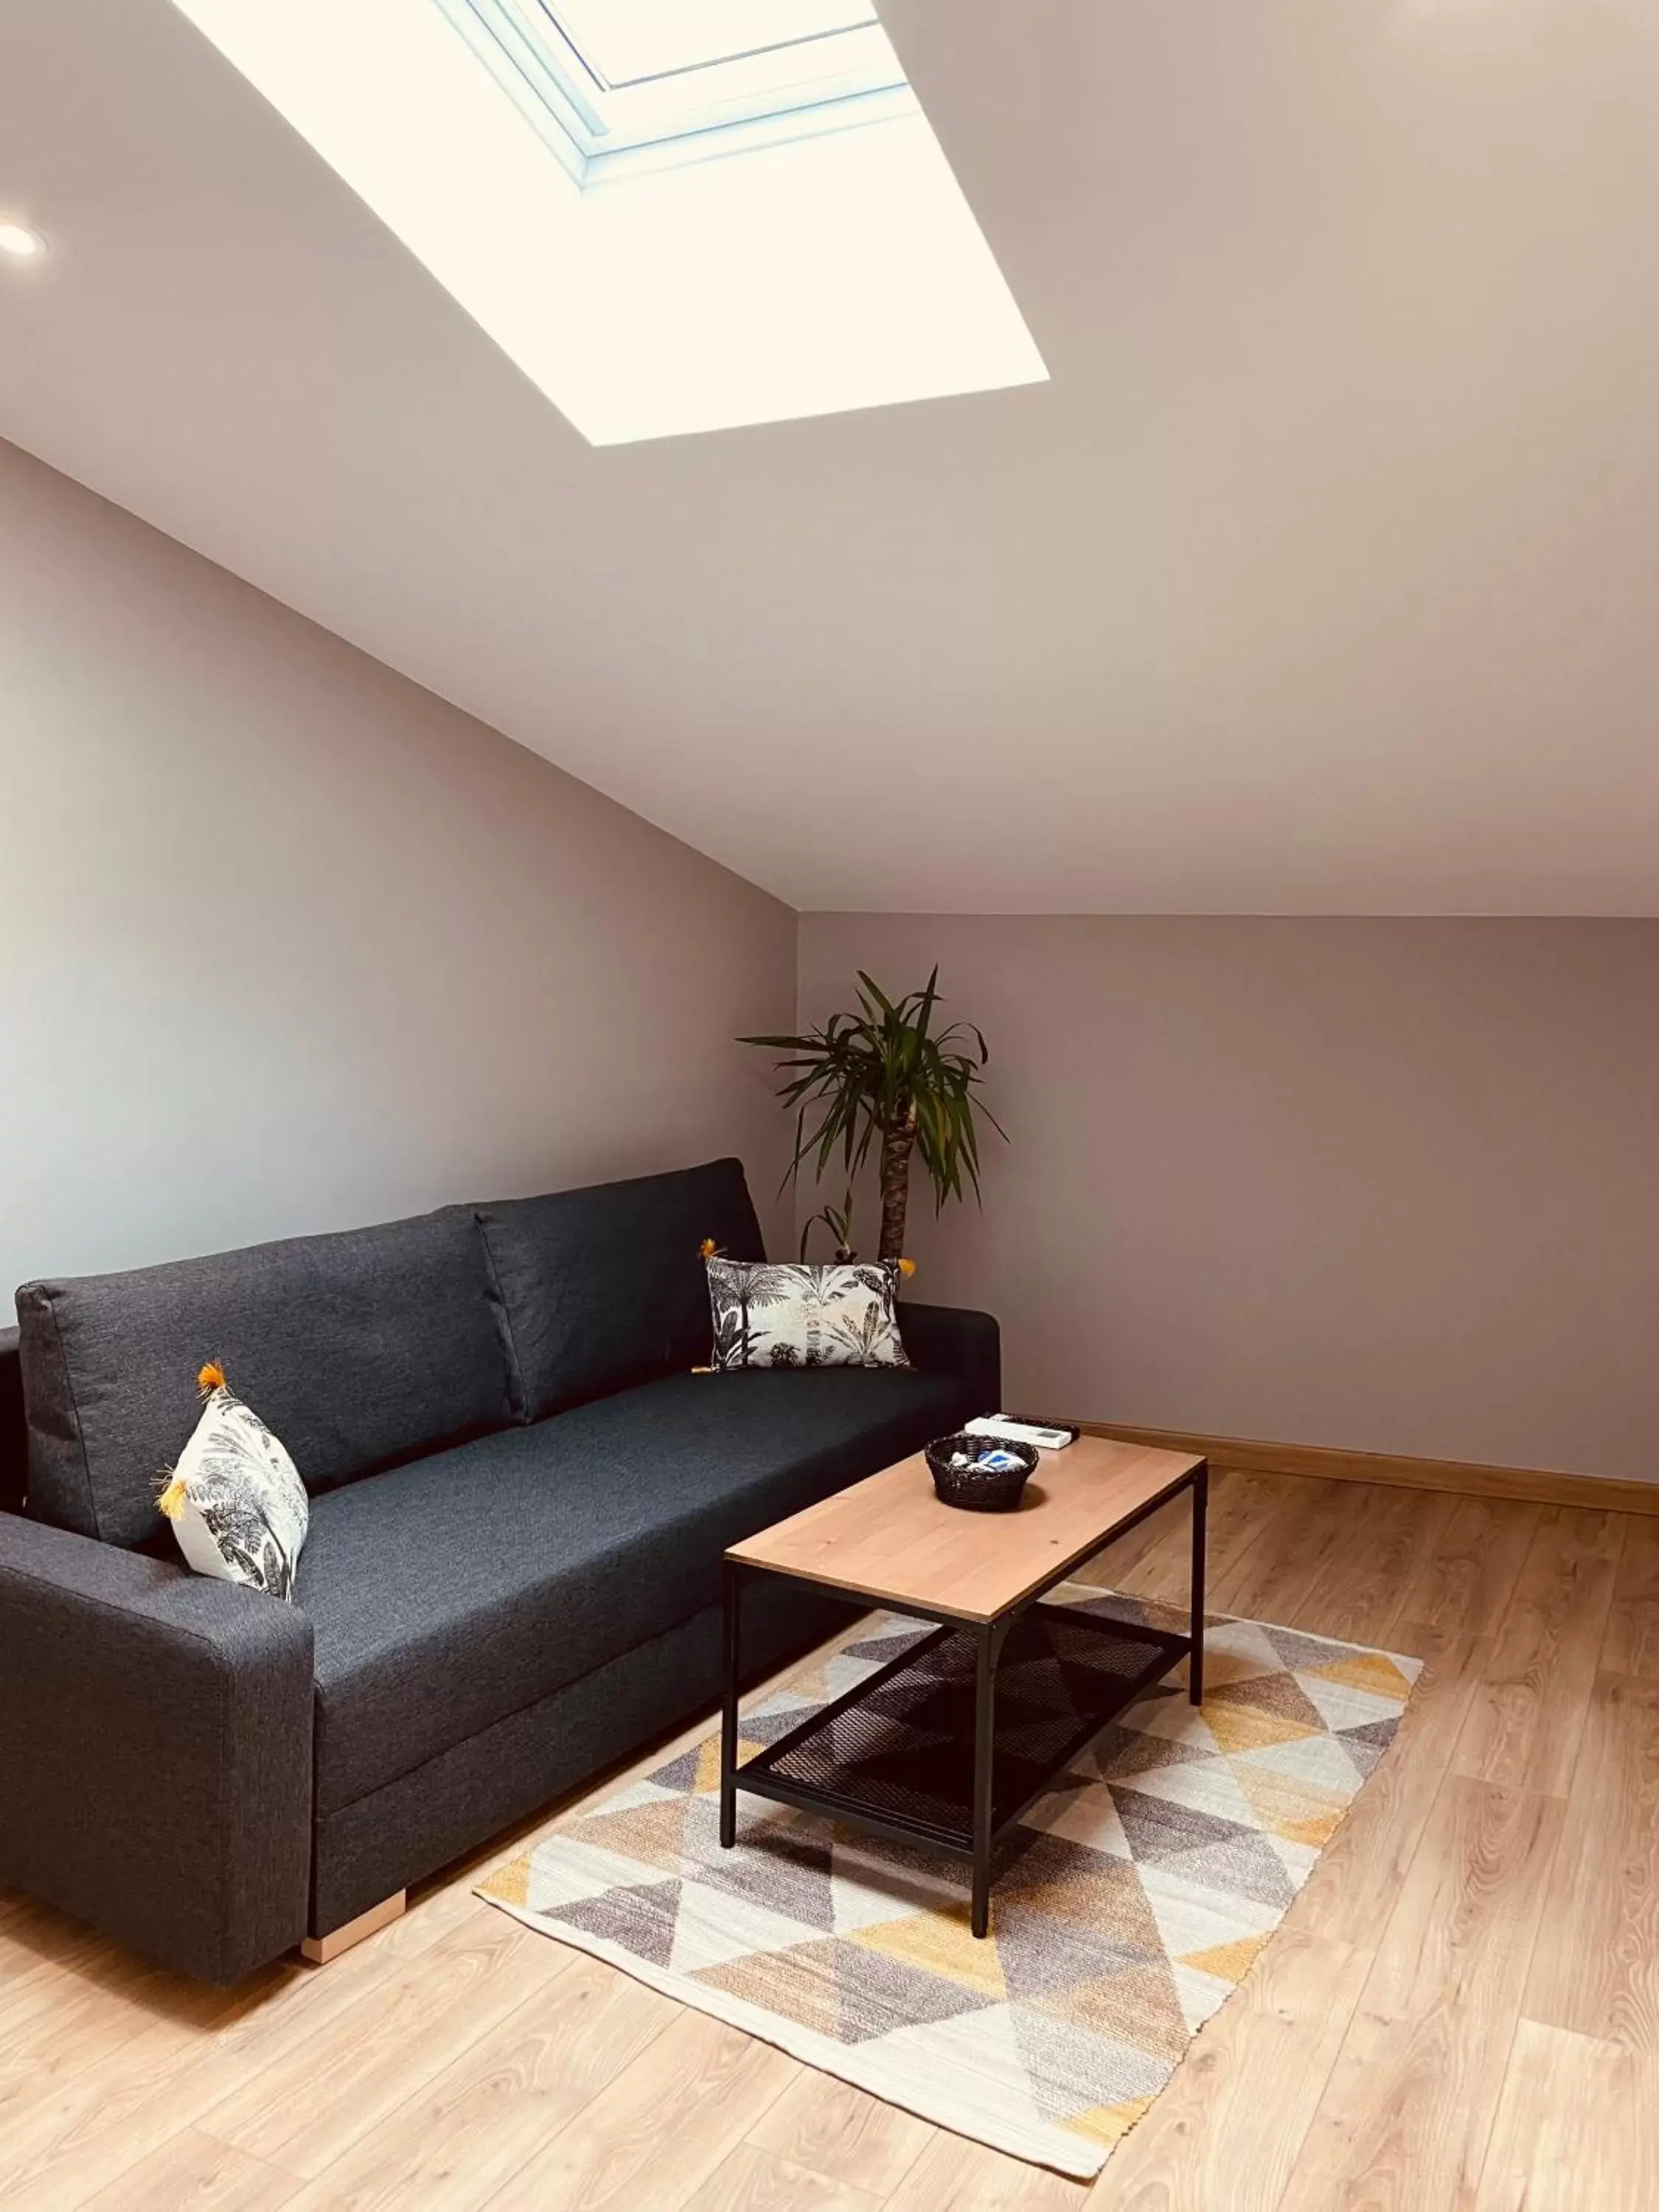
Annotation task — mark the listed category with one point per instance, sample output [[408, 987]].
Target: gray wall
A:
[[286, 943], [1387, 1185]]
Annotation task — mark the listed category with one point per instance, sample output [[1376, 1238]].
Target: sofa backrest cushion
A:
[[14, 1436], [606, 1287], [360, 1350]]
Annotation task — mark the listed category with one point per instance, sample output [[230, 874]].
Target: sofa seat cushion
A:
[[451, 1593]]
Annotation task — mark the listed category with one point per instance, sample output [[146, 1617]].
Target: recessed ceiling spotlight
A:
[[19, 243]]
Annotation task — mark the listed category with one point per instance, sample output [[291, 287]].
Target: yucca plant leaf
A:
[[861, 1076]]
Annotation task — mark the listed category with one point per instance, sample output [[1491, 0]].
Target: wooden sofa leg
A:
[[320, 1949]]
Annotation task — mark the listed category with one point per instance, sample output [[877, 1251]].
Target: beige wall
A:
[[1387, 1185], [288, 943]]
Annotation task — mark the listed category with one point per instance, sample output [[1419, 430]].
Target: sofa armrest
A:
[[957, 1341], [155, 1750]]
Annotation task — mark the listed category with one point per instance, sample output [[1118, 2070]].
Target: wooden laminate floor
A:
[[1459, 2014]]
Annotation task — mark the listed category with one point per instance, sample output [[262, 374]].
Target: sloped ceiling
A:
[[1324, 577]]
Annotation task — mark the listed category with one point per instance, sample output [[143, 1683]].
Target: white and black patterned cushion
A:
[[780, 1315], [236, 1500]]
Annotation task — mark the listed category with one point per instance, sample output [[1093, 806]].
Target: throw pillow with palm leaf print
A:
[[786, 1314], [235, 1499]]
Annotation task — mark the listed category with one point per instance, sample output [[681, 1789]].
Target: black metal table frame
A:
[[990, 1637]]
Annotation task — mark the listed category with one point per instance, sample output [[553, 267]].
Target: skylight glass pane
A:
[[628, 41]]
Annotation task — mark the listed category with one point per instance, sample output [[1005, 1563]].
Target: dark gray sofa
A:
[[520, 1493]]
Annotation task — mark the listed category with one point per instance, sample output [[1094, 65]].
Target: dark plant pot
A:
[[979, 1489]]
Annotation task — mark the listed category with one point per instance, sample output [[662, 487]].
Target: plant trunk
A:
[[896, 1146]]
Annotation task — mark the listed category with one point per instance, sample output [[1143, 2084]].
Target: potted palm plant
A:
[[882, 1078]]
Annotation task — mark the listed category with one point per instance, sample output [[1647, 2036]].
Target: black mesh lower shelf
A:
[[901, 1751]]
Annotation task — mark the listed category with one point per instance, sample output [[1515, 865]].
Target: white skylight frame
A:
[[627, 41], [838, 74], [823, 270]]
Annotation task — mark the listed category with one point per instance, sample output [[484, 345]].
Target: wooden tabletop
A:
[[891, 1537]]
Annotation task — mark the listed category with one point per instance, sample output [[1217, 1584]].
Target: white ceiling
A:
[[1324, 577]]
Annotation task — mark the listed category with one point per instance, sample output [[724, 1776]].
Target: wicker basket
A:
[[979, 1489]]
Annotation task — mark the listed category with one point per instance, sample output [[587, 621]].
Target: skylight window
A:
[[674, 216], [662, 81]]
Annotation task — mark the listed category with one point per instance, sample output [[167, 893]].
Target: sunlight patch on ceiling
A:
[[674, 216]]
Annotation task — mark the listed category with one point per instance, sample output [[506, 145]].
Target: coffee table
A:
[[922, 1751]]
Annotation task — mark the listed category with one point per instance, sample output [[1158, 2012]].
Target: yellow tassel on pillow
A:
[[708, 1249], [211, 1378], [172, 1500]]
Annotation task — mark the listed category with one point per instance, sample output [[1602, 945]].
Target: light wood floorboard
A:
[[750, 2180], [1577, 2126], [1632, 1643], [1465, 1584], [1528, 1714], [471, 2128], [836, 2129], [1461, 2015], [1406, 2116], [658, 2132], [198, 2172], [1597, 1968]]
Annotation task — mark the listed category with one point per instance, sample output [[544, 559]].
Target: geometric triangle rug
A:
[[1128, 1903]]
